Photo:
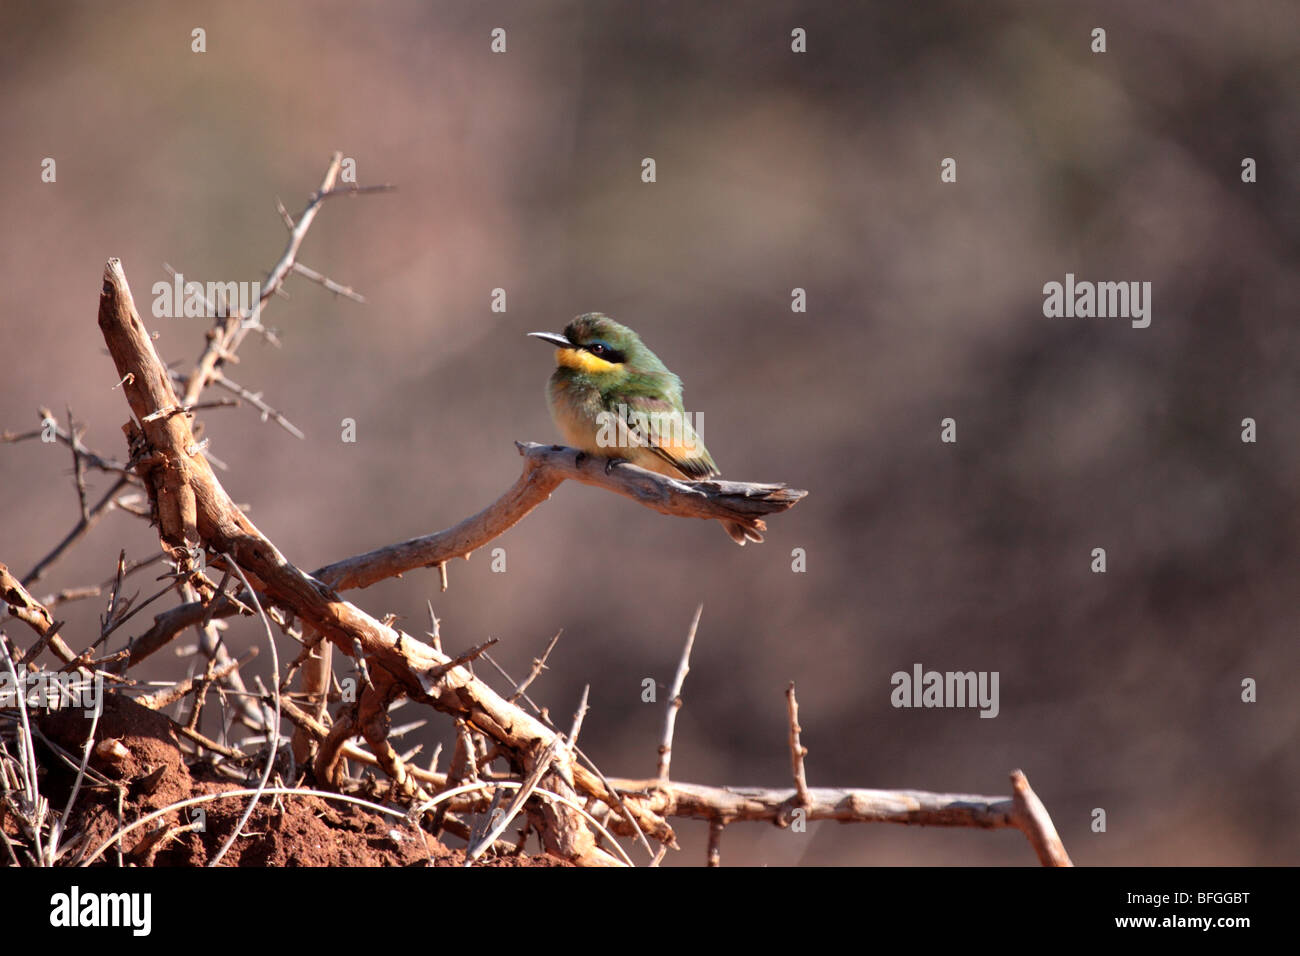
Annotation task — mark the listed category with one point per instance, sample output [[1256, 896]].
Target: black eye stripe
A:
[[605, 351]]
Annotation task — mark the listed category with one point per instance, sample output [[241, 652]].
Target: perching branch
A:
[[545, 468]]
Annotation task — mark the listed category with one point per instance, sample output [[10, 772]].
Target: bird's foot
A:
[[611, 462]]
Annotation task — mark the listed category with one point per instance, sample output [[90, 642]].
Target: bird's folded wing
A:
[[664, 429]]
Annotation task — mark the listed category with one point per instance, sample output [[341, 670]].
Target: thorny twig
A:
[[675, 698]]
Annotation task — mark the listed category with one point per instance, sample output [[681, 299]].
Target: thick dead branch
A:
[[191, 508]]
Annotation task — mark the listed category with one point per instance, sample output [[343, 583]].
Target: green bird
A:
[[613, 398]]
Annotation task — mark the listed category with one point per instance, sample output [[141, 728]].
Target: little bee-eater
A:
[[611, 397]]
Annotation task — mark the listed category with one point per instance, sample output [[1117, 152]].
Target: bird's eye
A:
[[597, 349]]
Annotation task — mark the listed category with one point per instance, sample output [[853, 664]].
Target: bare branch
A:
[[36, 616], [545, 468], [186, 409], [273, 729], [232, 328], [95, 590], [221, 380], [675, 698], [1031, 817], [434, 628], [89, 457], [346, 291], [169, 695], [543, 764], [470, 655], [78, 468], [846, 805], [608, 794], [318, 657], [352, 190], [797, 750], [714, 852], [284, 214], [539, 665], [578, 717], [97, 511]]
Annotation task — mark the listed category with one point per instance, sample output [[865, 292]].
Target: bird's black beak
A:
[[555, 338]]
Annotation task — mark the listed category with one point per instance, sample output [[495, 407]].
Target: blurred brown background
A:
[[775, 170]]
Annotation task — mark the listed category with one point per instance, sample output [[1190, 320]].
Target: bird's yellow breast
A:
[[583, 361]]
